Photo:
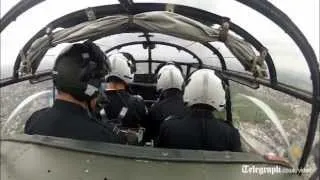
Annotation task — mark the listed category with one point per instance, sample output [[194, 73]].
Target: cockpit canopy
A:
[[200, 34]]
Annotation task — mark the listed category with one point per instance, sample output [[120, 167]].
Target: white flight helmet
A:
[[169, 76], [204, 87], [120, 67]]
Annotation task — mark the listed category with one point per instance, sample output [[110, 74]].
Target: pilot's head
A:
[[78, 71], [204, 89], [121, 71], [169, 77]]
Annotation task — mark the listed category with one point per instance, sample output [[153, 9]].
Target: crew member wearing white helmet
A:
[[170, 103], [128, 109], [199, 129]]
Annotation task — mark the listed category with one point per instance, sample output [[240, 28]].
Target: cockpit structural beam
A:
[[149, 45], [160, 43]]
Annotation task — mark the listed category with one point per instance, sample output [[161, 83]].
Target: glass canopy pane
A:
[[117, 39], [166, 53], [137, 51], [232, 62]]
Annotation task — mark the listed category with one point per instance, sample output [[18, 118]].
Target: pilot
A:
[[120, 106], [170, 103], [199, 129], [77, 73]]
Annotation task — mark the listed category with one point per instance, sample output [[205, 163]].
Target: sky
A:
[[305, 14]]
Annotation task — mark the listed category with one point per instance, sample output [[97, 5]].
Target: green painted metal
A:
[[28, 160]]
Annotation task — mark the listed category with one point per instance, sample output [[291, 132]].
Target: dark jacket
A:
[[170, 103], [199, 129], [68, 120], [132, 107]]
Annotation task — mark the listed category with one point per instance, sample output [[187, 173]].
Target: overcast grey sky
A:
[[304, 13]]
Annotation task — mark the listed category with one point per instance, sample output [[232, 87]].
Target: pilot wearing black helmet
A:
[[77, 73]]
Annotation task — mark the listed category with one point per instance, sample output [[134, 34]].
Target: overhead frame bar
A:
[[160, 43]]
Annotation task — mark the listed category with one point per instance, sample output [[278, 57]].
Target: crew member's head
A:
[[169, 77], [121, 71], [204, 89], [78, 71]]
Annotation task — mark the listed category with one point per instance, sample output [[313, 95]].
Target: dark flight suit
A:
[[129, 109], [170, 103], [68, 120], [199, 130]]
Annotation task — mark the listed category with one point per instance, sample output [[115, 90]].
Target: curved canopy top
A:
[[285, 59], [155, 21]]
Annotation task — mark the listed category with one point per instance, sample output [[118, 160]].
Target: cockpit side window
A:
[[270, 121]]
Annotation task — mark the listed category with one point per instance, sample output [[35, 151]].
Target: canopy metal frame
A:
[[262, 6], [102, 11], [148, 43]]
